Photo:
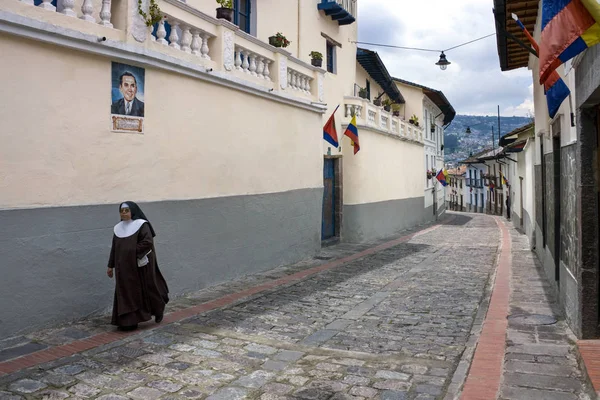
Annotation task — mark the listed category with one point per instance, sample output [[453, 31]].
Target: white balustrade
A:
[[87, 8], [251, 63], [384, 121], [46, 5], [204, 50], [394, 125], [174, 36], [186, 39], [105, 14], [192, 40], [371, 117], [68, 6], [299, 81], [161, 33], [402, 129], [353, 109]]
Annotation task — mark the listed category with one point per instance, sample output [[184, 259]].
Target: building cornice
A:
[[93, 44]]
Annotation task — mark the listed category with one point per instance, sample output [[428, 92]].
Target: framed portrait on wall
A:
[[127, 98]]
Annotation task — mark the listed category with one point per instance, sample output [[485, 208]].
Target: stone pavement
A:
[[541, 357], [394, 323]]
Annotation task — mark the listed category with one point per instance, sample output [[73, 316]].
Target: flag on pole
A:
[[568, 28], [442, 177], [352, 133], [503, 179], [554, 87], [329, 131]]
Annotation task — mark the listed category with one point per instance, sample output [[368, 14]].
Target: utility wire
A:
[[421, 49]]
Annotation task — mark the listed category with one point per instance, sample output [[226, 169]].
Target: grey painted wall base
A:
[[376, 220], [53, 260]]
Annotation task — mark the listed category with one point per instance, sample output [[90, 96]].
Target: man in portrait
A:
[[129, 104]]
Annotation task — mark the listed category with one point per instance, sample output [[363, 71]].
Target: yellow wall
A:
[[414, 101], [361, 80], [385, 168], [200, 140]]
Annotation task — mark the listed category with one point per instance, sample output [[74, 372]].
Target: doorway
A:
[[556, 181], [521, 200], [332, 200]]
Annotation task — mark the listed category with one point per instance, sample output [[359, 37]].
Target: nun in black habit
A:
[[140, 291]]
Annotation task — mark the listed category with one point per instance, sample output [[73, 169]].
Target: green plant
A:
[[154, 15], [387, 102], [396, 107], [225, 3], [315, 55], [280, 41], [362, 92]]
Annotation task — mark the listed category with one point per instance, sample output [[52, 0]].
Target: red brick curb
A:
[[483, 380], [589, 350], [78, 346]]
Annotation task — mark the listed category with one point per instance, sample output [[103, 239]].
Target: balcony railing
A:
[[185, 39], [370, 115], [342, 11]]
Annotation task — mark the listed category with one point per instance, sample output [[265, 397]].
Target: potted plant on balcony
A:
[[432, 128], [396, 110], [377, 100], [226, 10], [279, 40], [316, 58], [414, 120], [154, 14], [362, 93], [387, 105]]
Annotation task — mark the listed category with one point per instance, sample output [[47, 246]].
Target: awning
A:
[[371, 62]]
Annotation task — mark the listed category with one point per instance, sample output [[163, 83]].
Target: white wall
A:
[[385, 168], [200, 140]]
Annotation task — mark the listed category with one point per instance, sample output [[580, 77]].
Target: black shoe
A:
[[128, 328], [159, 318]]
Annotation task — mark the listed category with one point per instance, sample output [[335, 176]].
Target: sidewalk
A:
[[538, 356]]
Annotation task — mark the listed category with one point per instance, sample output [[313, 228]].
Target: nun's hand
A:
[[109, 272]]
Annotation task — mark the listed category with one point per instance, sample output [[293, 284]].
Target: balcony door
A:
[[242, 9]]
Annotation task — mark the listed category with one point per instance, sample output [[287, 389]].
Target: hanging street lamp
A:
[[443, 62]]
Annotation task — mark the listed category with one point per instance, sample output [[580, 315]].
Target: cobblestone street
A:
[[390, 325]]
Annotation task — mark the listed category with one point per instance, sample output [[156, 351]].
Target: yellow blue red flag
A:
[[555, 89], [352, 133], [442, 177], [568, 28]]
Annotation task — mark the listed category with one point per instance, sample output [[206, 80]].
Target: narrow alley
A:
[[399, 319]]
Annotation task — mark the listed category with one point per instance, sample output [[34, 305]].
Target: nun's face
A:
[[125, 214]]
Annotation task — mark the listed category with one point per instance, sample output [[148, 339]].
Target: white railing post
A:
[[87, 8], [46, 5], [105, 14]]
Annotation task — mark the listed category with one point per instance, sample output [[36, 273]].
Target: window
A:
[[368, 90], [330, 57], [426, 130], [241, 17]]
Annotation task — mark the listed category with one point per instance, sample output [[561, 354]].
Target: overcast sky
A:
[[473, 83]]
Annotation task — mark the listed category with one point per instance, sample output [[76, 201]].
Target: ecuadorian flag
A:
[[555, 89], [568, 28], [442, 177], [352, 133]]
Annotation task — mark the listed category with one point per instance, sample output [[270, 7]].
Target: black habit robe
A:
[[140, 292]]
